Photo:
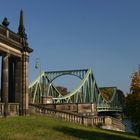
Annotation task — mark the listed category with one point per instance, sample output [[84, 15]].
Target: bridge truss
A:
[[86, 92]]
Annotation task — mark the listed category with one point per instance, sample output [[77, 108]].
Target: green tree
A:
[[133, 102]]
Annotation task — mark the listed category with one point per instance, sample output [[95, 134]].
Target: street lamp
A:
[[38, 66]]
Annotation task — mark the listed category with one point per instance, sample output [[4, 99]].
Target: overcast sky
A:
[[76, 34]]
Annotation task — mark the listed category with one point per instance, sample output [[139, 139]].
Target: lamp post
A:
[[38, 66]]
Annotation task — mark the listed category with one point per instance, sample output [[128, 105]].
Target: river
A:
[[128, 125]]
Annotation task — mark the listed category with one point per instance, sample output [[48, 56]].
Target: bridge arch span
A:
[[86, 92]]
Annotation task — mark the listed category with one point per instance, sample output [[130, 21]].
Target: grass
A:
[[44, 128]]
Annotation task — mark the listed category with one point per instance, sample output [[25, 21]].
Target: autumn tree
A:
[[133, 102], [135, 84], [62, 90]]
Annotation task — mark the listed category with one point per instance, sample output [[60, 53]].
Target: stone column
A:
[[4, 82], [21, 90], [17, 75], [25, 100], [11, 80]]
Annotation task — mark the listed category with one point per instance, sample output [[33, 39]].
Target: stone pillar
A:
[[21, 93], [1, 80], [11, 80], [17, 75], [5, 82], [25, 100]]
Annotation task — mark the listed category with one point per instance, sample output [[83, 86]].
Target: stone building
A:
[[14, 51]]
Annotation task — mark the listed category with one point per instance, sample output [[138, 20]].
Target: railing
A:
[[64, 115], [106, 122], [14, 37], [1, 109], [9, 34], [104, 107], [2, 31], [13, 109]]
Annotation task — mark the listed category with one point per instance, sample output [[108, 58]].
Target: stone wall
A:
[[105, 122], [81, 108], [113, 124], [47, 100], [13, 109]]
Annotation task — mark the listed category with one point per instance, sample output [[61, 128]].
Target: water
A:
[[128, 125]]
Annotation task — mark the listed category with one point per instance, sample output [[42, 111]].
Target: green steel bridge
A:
[[86, 92]]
